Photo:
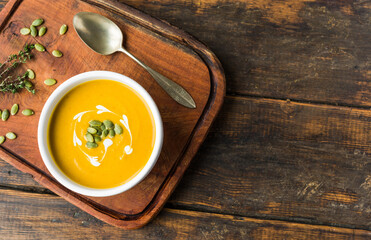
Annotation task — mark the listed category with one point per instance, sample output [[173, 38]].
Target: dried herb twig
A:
[[8, 83]]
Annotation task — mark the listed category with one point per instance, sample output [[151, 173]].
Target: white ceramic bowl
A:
[[53, 100]]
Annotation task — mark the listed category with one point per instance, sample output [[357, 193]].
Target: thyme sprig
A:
[[9, 83]]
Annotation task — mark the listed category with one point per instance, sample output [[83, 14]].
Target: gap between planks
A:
[[294, 100]]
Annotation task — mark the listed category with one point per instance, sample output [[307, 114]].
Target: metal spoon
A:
[[105, 37]]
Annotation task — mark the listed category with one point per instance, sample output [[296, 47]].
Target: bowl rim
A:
[[48, 109]]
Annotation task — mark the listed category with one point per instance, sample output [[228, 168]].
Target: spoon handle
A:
[[178, 93]]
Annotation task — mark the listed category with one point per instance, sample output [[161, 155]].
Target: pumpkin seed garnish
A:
[[91, 145], [112, 133], [95, 123], [14, 109], [63, 29], [2, 139], [108, 124], [97, 139], [33, 31], [92, 130], [89, 137], [39, 47], [118, 129], [37, 22], [28, 112], [11, 135], [25, 31], [105, 133], [31, 74], [5, 115], [57, 53], [42, 31], [103, 127], [50, 81]]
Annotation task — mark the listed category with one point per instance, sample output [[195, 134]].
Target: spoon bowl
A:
[[105, 37]]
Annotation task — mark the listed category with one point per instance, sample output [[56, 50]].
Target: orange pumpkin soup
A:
[[101, 160]]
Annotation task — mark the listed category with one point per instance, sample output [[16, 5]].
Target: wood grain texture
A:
[[312, 50], [277, 159], [20, 221], [184, 129]]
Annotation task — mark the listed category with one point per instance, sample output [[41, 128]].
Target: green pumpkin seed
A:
[[2, 139], [11, 135], [112, 133], [118, 129], [108, 124], [33, 31], [99, 132], [57, 53], [28, 112], [28, 84], [14, 109], [89, 137], [25, 31], [37, 22], [105, 133], [50, 81], [103, 127], [95, 123], [0, 112], [31, 74], [39, 47], [92, 130], [42, 31], [91, 145], [5, 115], [63, 29], [97, 139]]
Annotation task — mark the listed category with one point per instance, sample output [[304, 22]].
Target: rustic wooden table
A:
[[289, 155]]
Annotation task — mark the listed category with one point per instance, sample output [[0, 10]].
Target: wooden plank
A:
[[43, 212], [311, 50], [284, 160], [278, 159]]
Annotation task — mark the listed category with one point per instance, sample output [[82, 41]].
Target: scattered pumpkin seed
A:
[[28, 112], [105, 133], [14, 109], [103, 127], [42, 31], [50, 81], [11, 135], [97, 139], [111, 133], [28, 84], [33, 31], [92, 130], [91, 145], [25, 31], [57, 53], [37, 22], [0, 112], [2, 139], [31, 74], [95, 123], [89, 137], [118, 129], [39, 47], [63, 29], [108, 124], [5, 115]]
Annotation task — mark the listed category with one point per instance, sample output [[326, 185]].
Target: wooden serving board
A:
[[165, 48]]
